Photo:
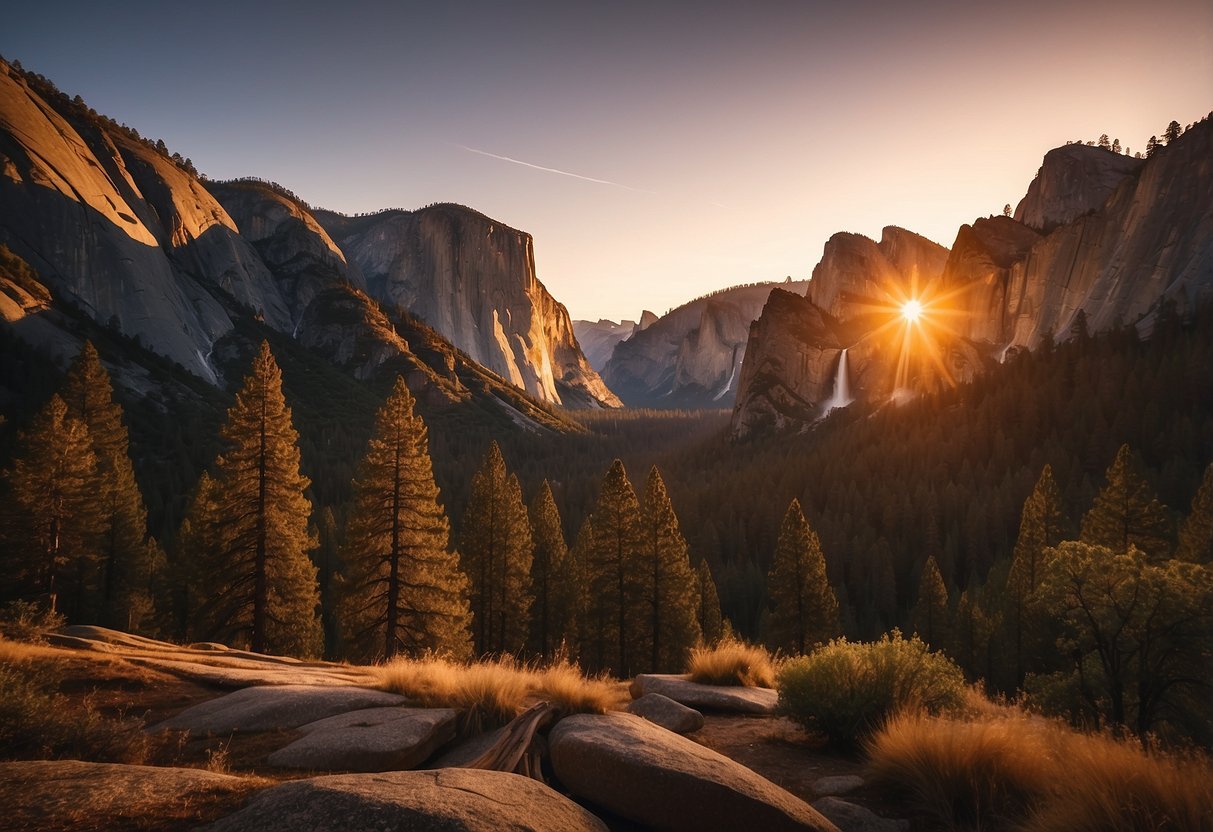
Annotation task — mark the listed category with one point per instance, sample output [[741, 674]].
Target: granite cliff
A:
[[1098, 235], [473, 280], [691, 356]]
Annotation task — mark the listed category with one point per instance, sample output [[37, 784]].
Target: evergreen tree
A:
[[1152, 145], [1040, 528], [805, 609], [403, 590], [259, 583], [52, 519], [199, 536], [497, 550], [611, 573], [1196, 536], [546, 568], [667, 584], [1173, 132], [711, 623], [1126, 511], [930, 615], [127, 556], [573, 609]]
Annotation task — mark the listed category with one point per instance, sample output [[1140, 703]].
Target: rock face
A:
[[452, 799], [690, 357], [372, 739], [1097, 233], [473, 280], [274, 708], [598, 339], [1073, 180], [663, 781]]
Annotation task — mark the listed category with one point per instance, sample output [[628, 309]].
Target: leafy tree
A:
[[804, 608], [260, 584], [51, 515], [711, 623], [930, 614], [546, 568], [127, 556], [403, 589], [667, 584], [611, 571], [1196, 536], [1040, 528], [1136, 632], [497, 550], [1127, 513], [1173, 132]]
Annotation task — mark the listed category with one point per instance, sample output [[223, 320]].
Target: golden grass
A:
[[1004, 769], [732, 662], [493, 692]]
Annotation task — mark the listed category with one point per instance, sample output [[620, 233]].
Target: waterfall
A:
[[841, 396]]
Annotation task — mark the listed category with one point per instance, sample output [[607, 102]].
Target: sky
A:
[[655, 150]]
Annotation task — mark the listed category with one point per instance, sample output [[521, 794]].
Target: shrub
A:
[[847, 690], [1009, 770], [28, 621], [732, 662]]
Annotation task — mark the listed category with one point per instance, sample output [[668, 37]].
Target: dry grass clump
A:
[[1010, 770], [493, 692], [732, 662]]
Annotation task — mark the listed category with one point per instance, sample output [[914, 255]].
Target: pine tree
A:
[[198, 538], [546, 568], [52, 519], [1152, 145], [611, 573], [573, 609], [805, 609], [496, 550], [128, 557], [1174, 131], [1126, 512], [668, 586], [1196, 536], [1040, 528], [930, 615], [403, 590], [711, 623], [261, 585]]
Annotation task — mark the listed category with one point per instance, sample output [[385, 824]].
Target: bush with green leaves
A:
[[847, 690]]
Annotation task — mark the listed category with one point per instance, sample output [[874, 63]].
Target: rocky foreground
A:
[[320, 748]]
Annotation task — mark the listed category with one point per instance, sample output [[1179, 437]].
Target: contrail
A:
[[553, 170]]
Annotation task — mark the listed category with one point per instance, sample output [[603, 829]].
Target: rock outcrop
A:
[[426, 801], [665, 712], [275, 707], [1099, 234], [473, 280], [371, 739], [691, 356], [729, 698]]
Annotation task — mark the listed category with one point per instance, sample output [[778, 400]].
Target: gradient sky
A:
[[720, 143]]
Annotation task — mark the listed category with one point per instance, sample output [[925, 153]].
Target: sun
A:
[[911, 310]]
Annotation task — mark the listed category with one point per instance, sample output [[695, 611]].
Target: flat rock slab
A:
[[373, 739], [68, 794], [837, 784], [418, 801], [733, 698], [662, 780], [275, 707], [664, 711], [849, 817]]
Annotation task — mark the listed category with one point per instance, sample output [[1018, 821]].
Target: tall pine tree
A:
[[611, 573], [1127, 512], [711, 623], [404, 592], [1196, 536], [198, 538], [496, 551], [1040, 528], [52, 518], [128, 557], [573, 610], [668, 586], [931, 616], [546, 568], [261, 585], [804, 608]]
